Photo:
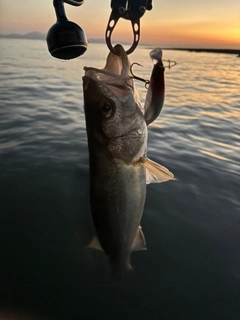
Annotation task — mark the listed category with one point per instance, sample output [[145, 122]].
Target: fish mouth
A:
[[116, 73], [118, 64]]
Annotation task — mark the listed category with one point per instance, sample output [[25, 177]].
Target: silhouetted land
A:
[[225, 51], [41, 36], [30, 35]]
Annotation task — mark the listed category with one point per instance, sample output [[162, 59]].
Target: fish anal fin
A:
[[95, 244], [139, 241], [156, 173]]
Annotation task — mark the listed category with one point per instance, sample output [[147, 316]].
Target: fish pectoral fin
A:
[[139, 241], [95, 244], [155, 173]]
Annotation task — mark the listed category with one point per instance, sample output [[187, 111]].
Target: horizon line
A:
[[36, 35]]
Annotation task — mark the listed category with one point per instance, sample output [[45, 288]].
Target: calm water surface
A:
[[192, 227]]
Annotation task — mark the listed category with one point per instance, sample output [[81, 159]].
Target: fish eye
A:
[[106, 109]]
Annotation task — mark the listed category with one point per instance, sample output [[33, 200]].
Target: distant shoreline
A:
[[224, 51], [40, 36], [26, 36]]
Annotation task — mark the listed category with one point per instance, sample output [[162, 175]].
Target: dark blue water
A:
[[191, 269]]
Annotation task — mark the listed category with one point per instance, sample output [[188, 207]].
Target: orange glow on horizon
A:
[[199, 24], [195, 34], [209, 34]]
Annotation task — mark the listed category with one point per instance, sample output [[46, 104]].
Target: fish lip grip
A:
[[131, 10]]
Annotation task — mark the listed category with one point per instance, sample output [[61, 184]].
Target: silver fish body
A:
[[119, 169]]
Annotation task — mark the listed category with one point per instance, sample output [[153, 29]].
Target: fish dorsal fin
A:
[[139, 241], [155, 173], [95, 244]]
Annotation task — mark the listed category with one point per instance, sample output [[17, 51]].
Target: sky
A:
[[174, 23]]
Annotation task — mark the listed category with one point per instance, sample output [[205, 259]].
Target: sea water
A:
[[191, 269]]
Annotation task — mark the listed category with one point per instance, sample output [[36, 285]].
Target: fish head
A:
[[112, 109]]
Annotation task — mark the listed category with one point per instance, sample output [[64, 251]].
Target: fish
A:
[[119, 168]]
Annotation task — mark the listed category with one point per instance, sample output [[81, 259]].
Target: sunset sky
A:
[[205, 23]]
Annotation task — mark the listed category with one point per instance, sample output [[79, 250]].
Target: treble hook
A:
[[138, 78], [170, 64]]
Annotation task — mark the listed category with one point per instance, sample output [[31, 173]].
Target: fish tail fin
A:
[[156, 173]]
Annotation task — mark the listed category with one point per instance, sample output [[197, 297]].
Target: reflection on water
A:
[[191, 267], [213, 155]]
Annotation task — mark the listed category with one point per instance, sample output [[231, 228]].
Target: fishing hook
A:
[[138, 78], [170, 64]]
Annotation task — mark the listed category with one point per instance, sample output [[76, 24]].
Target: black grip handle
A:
[[75, 3]]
